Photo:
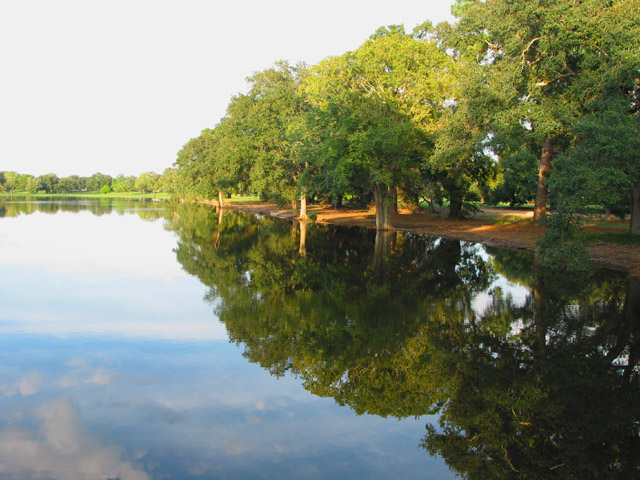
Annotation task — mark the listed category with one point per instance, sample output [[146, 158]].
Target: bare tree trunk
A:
[[635, 211], [541, 193], [220, 199], [303, 205], [455, 204], [382, 199]]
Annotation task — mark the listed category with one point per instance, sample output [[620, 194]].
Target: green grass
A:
[[507, 220], [620, 238]]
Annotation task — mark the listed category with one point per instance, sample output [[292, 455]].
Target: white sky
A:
[[119, 86]]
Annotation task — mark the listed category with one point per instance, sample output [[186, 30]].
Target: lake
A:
[[151, 340]]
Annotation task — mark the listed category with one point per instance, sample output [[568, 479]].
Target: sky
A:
[[119, 86]]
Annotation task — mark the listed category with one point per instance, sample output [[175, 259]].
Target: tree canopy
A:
[[511, 101]]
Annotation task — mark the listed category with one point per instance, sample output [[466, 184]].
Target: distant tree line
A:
[[148, 182], [516, 101]]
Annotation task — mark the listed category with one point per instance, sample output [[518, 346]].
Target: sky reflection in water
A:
[[113, 366]]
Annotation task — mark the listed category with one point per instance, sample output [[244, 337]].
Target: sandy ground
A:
[[499, 227]]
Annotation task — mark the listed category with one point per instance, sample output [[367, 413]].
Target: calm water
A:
[[159, 341]]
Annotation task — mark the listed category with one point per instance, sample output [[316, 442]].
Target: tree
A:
[[604, 166], [123, 184], [542, 61], [250, 150], [378, 107], [31, 185], [96, 181], [48, 182], [9, 181], [195, 178], [148, 181], [263, 119], [169, 180], [72, 183]]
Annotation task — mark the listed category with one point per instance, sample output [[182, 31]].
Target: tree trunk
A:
[[455, 205], [366, 199], [220, 199], [303, 205], [382, 198], [543, 173], [635, 211], [394, 201]]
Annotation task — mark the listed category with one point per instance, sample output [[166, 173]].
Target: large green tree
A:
[[604, 166], [123, 184], [10, 181], [48, 182], [148, 182], [274, 102], [377, 109], [195, 179], [98, 180], [250, 150], [541, 62]]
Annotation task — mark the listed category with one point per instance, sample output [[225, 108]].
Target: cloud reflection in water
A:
[[59, 445]]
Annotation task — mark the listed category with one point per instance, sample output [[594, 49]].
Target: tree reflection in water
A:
[[388, 324], [15, 206]]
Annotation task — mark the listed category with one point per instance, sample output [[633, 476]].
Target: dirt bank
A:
[[498, 227]]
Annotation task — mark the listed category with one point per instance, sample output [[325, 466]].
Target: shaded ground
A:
[[499, 227]]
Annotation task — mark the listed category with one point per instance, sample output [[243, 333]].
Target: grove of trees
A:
[[11, 182], [515, 101]]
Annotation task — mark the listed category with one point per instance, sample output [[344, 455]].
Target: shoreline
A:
[[501, 228]]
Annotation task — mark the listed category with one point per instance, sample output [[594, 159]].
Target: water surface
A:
[[147, 340]]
